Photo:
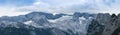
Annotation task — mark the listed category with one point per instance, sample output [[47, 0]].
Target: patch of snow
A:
[[60, 19], [53, 21], [28, 22]]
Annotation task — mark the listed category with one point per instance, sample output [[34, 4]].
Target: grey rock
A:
[[112, 24]]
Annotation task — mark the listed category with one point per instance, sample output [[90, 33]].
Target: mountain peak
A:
[[113, 15]]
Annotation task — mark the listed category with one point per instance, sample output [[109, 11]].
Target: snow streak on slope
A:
[[66, 23], [58, 24]]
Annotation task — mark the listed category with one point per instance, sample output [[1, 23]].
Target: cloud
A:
[[10, 11], [66, 6], [53, 6]]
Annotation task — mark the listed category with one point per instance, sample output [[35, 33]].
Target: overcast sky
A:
[[17, 7]]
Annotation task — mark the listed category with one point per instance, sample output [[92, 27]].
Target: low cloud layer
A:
[[62, 6]]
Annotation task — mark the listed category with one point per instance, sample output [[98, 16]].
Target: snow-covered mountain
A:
[[39, 23]]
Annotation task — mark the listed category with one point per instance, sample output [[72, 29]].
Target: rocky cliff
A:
[[112, 25], [97, 25], [105, 24]]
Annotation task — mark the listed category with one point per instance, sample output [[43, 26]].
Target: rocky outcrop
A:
[[97, 25], [112, 25], [95, 28], [105, 24], [103, 18]]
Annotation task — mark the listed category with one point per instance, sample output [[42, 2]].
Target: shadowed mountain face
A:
[[33, 31], [40, 23], [112, 26], [116, 31], [105, 24], [97, 25]]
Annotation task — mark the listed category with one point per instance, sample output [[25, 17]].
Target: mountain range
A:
[[40, 23]]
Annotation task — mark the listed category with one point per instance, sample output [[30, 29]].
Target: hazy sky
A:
[[16, 7]]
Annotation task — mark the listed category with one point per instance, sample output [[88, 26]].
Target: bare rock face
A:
[[103, 18], [95, 28], [105, 24], [112, 25], [97, 25]]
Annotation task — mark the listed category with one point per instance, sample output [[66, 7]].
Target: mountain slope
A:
[[40, 23]]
